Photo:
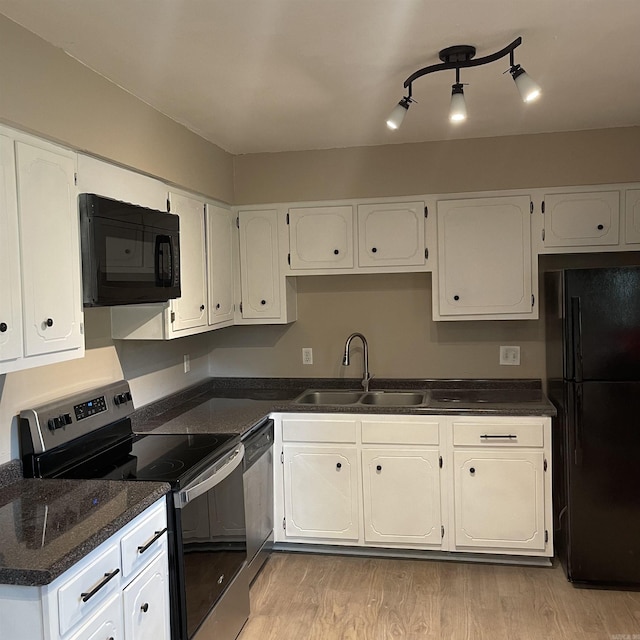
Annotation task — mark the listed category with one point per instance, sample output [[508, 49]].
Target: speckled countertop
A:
[[46, 526], [235, 405]]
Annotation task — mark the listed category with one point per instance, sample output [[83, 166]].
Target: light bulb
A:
[[399, 112], [529, 89], [458, 108]]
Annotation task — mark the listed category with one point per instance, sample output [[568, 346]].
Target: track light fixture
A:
[[460, 57]]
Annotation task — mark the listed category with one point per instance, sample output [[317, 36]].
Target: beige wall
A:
[[483, 164], [49, 93]]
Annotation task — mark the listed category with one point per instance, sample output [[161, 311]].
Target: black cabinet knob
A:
[[201, 307], [339, 465], [600, 227], [374, 250], [145, 607], [336, 251], [472, 470], [263, 302], [49, 322], [3, 327], [379, 467], [218, 306], [456, 298]]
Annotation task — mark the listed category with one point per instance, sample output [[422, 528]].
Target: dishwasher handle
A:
[[214, 476]]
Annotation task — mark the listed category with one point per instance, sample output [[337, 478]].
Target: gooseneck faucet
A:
[[366, 376]]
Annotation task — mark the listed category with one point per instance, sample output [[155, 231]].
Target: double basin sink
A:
[[436, 398]]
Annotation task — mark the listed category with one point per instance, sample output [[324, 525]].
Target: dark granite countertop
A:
[[46, 526], [235, 405]]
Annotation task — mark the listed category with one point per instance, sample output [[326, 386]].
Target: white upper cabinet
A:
[[632, 214], [220, 236], [190, 308], [321, 237], [111, 181], [391, 234], [485, 269], [50, 249], [10, 299], [583, 219]]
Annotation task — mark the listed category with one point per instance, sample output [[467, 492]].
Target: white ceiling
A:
[[274, 75]]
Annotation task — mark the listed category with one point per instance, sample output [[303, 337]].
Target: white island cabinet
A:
[[467, 484], [119, 590]]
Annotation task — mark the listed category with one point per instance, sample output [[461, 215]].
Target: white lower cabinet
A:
[[471, 484], [104, 596], [322, 494], [401, 493]]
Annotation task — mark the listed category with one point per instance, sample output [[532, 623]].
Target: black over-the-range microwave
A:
[[130, 254]]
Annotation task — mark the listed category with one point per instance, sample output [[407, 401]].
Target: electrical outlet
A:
[[187, 363], [307, 355], [510, 355]]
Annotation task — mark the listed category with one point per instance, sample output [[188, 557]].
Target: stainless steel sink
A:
[[393, 398], [337, 396], [382, 398]]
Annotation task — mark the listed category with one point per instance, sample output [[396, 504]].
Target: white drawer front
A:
[[400, 431], [498, 434], [141, 544], [319, 430], [105, 623], [88, 588]]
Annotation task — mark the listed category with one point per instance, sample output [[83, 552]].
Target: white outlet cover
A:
[[307, 355], [510, 355]]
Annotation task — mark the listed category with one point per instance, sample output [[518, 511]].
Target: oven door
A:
[[211, 539]]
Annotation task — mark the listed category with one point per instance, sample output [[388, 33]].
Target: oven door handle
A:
[[221, 470]]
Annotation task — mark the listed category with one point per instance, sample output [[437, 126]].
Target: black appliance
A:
[[88, 435], [130, 254], [593, 372]]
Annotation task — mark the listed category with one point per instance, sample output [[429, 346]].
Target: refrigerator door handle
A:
[[576, 320], [577, 428]]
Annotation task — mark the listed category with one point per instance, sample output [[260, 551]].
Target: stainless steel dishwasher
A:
[[258, 495]]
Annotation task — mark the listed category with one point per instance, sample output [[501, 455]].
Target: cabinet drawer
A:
[[141, 544], [405, 431], [498, 434], [88, 587], [319, 430], [105, 623]]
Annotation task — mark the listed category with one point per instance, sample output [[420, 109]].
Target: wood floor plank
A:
[[321, 597]]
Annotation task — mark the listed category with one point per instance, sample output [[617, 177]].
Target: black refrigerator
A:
[[593, 375]]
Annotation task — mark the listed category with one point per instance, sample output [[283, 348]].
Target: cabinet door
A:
[[190, 308], [499, 499], [259, 268], [321, 237], [401, 492], [146, 603], [50, 250], [106, 624], [10, 302], [321, 492], [391, 234], [632, 216], [220, 230], [484, 257], [581, 219]]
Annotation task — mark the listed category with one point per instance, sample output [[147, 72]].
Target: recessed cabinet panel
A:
[[220, 230], [321, 237], [106, 624], [632, 211], [50, 250], [499, 499], [391, 234], [322, 492], [10, 307], [190, 308], [259, 264], [581, 219], [484, 257], [401, 492]]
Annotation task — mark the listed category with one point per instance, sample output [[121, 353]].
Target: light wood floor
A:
[[319, 597]]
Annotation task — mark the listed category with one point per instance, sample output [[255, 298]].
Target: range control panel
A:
[[61, 421]]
